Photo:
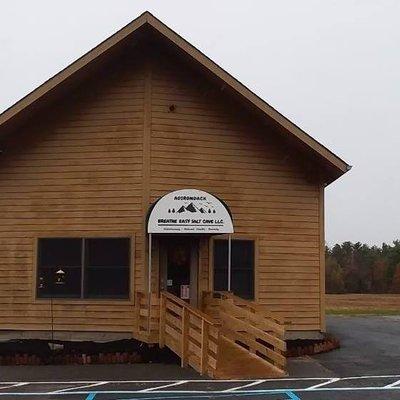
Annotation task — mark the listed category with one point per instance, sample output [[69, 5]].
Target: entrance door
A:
[[179, 261]]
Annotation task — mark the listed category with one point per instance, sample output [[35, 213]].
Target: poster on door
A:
[[185, 292]]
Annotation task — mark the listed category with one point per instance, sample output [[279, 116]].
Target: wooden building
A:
[[146, 193]]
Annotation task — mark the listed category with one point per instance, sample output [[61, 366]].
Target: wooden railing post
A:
[[163, 311], [185, 337], [149, 314], [137, 313], [204, 347]]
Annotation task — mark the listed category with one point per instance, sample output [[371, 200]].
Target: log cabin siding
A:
[[98, 160], [77, 171], [210, 144]]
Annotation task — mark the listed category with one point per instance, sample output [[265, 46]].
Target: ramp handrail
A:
[[250, 326], [189, 333]]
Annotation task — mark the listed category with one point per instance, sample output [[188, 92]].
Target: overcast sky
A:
[[332, 67]]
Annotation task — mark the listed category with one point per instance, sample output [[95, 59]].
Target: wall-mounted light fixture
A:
[[60, 277]]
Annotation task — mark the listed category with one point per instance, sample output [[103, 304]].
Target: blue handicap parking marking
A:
[[268, 395], [275, 395], [292, 396]]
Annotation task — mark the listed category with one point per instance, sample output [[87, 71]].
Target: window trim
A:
[[234, 236], [130, 299]]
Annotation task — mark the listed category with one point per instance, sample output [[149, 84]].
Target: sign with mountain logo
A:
[[189, 211]]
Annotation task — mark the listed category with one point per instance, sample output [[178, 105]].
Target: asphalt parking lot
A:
[[366, 387], [367, 367]]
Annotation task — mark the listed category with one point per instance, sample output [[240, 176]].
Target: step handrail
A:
[[146, 310]]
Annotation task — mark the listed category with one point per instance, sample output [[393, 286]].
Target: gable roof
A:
[[29, 103]]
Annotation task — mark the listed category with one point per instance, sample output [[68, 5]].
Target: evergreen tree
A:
[[395, 286], [359, 268]]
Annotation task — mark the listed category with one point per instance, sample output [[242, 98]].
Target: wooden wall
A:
[[94, 162], [212, 145], [76, 171]]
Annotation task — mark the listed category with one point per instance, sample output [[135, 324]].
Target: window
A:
[[59, 255], [107, 267], [83, 268], [242, 267]]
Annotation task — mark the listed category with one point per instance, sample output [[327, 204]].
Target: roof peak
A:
[[28, 103]]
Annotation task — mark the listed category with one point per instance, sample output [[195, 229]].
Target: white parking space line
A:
[[78, 387], [18, 384], [319, 385], [245, 386], [152, 389], [370, 377], [213, 387], [394, 384], [208, 393], [94, 381], [199, 380]]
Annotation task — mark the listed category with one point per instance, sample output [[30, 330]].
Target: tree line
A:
[[359, 268]]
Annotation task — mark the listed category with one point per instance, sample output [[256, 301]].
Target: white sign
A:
[[189, 211], [185, 292]]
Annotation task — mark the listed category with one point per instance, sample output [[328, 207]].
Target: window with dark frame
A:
[[242, 267], [83, 268]]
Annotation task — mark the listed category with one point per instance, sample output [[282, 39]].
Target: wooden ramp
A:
[[235, 362], [240, 339]]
